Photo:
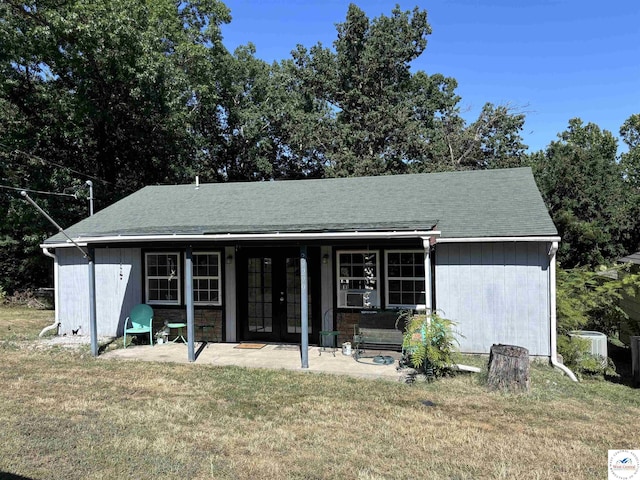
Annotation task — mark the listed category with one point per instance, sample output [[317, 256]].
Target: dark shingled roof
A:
[[633, 258], [488, 203]]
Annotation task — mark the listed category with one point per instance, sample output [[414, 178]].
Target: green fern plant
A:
[[430, 344]]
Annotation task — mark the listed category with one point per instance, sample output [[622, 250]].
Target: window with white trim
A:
[[405, 280], [206, 278], [358, 279], [162, 278]]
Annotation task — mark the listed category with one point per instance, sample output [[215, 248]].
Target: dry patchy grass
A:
[[19, 323], [66, 415]]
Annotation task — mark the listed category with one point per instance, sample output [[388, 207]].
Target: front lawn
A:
[[66, 415]]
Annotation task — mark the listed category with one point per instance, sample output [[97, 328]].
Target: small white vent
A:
[[598, 341]]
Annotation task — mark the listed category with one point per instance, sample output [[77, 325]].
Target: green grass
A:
[[20, 323], [66, 415]]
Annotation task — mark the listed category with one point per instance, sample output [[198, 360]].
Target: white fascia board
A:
[[226, 237], [496, 239]]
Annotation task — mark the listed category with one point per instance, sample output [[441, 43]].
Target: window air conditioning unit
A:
[[355, 300], [358, 298]]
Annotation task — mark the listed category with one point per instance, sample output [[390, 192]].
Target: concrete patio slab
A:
[[272, 356]]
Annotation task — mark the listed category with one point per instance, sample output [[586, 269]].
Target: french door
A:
[[270, 295]]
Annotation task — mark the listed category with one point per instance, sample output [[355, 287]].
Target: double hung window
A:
[[358, 279], [405, 285], [163, 278], [206, 278]]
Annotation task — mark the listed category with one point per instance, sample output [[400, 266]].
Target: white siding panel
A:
[[118, 289], [496, 293], [73, 308]]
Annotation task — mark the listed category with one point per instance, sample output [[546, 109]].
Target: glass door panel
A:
[[269, 302], [260, 294], [294, 296]]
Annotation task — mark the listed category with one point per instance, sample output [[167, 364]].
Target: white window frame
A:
[[177, 278], [210, 277], [374, 295], [388, 277]]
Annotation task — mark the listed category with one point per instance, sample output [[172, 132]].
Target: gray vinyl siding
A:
[[496, 293], [73, 297], [118, 289]]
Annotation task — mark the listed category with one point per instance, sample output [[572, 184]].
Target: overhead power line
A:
[[36, 157], [39, 191]]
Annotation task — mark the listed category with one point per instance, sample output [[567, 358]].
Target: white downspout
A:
[[56, 321], [426, 245], [554, 321]]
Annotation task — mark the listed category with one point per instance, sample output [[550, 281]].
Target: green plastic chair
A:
[[141, 318]]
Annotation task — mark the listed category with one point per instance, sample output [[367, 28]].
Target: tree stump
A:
[[508, 368]]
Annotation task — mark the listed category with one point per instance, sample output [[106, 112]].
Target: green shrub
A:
[[576, 354], [430, 344], [589, 300]]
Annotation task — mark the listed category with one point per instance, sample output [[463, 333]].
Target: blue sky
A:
[[555, 59]]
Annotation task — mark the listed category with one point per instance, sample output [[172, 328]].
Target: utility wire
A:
[[36, 157], [39, 191]]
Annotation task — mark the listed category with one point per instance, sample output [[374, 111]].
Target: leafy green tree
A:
[[266, 125], [630, 160], [589, 298], [102, 90], [365, 81], [492, 141], [382, 118], [583, 186]]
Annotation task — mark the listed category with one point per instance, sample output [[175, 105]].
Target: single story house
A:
[[233, 259]]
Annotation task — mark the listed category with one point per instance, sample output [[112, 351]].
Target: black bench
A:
[[378, 329]]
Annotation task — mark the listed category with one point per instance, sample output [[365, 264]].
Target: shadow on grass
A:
[[11, 476], [102, 348]]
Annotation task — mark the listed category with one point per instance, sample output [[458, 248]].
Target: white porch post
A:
[[93, 324], [304, 308], [426, 243], [188, 287]]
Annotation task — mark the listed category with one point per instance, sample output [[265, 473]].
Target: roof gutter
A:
[[497, 239], [355, 235]]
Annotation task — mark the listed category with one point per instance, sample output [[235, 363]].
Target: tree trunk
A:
[[508, 368]]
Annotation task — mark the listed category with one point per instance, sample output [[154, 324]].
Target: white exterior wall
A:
[[496, 293], [118, 289]]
